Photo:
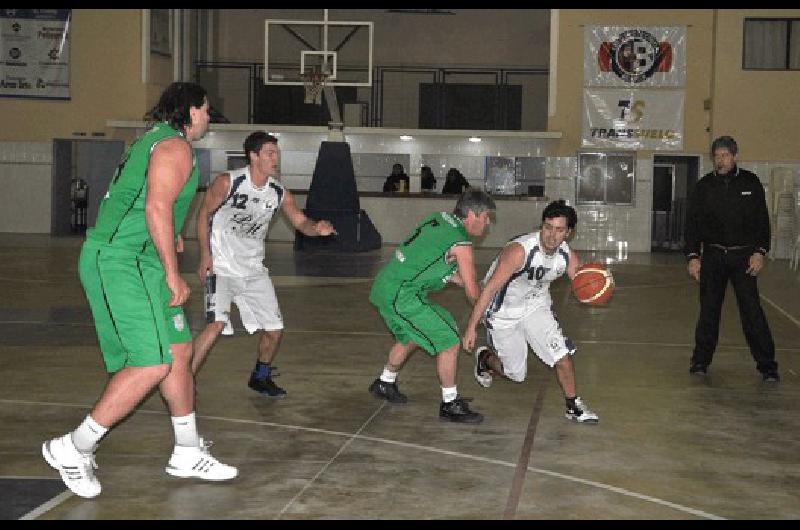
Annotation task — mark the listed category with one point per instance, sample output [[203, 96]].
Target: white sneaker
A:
[[481, 372], [197, 462], [76, 469], [581, 413]]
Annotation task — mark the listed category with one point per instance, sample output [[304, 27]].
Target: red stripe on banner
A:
[[604, 57], [665, 49]]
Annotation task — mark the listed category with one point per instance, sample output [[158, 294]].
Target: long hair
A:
[[173, 106]]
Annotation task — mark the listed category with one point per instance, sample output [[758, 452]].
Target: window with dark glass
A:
[[605, 178], [771, 44]]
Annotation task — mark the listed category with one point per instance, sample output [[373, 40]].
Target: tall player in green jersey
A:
[[129, 271], [436, 252]]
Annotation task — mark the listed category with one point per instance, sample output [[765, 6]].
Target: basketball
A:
[[593, 284]]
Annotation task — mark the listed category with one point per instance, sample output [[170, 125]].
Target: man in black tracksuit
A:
[[728, 215]]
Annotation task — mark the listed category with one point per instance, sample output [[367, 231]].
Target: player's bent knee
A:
[[181, 353], [217, 326], [563, 362], [452, 350], [160, 371], [273, 334]]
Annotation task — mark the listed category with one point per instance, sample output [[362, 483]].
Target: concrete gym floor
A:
[[668, 445]]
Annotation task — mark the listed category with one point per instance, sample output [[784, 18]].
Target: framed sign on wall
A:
[[161, 32], [35, 53]]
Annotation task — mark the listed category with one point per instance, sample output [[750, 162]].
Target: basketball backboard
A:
[[294, 48]]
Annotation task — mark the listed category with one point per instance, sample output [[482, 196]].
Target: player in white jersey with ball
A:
[[232, 225], [515, 305]]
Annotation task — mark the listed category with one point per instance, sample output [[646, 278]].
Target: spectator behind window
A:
[[455, 183], [428, 180], [398, 181]]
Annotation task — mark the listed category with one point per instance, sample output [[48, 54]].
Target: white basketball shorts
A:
[[254, 296], [541, 330]]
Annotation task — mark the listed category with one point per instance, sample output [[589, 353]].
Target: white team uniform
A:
[[238, 229], [520, 312]]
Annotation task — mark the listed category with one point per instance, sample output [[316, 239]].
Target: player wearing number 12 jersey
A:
[[232, 224], [436, 252]]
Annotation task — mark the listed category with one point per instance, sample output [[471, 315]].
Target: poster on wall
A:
[[635, 56], [633, 119], [34, 53], [160, 32]]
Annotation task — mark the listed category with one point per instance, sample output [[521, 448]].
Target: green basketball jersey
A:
[[121, 220], [420, 261]]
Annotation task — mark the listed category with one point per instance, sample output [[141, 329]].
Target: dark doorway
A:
[[674, 178], [82, 169]]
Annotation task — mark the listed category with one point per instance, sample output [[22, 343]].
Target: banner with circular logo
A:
[[635, 56]]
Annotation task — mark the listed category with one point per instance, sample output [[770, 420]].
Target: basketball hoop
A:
[[313, 83]]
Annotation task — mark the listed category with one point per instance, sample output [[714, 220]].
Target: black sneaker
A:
[[458, 411], [771, 376], [267, 387], [698, 369], [387, 391]]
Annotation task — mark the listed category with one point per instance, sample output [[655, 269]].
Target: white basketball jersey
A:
[[528, 288], [239, 226]]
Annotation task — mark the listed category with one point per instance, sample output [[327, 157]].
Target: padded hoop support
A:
[[333, 195]]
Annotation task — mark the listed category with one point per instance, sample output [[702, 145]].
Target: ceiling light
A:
[[406, 137], [474, 139]]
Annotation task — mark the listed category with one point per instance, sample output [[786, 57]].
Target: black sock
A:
[[571, 403]]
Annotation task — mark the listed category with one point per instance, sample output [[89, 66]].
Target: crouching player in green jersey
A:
[[129, 271], [438, 250]]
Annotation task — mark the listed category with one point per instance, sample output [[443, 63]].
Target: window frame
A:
[[521, 185], [787, 59], [605, 154]]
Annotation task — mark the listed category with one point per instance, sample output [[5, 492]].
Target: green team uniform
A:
[[418, 267], [121, 272]]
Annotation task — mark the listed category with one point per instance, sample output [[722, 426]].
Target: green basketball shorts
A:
[[129, 299], [411, 317]]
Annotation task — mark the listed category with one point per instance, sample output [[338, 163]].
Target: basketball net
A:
[[313, 83]]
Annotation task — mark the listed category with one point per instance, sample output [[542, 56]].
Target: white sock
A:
[[186, 431], [388, 376], [449, 394], [87, 435]]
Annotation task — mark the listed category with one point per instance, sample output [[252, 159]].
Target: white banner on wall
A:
[[34, 53], [633, 118], [635, 56]]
